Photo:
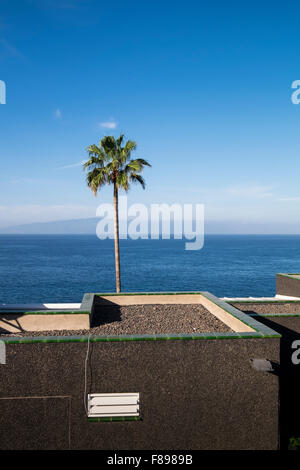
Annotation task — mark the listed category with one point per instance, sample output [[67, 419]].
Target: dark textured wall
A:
[[35, 423], [289, 374], [197, 394], [287, 286]]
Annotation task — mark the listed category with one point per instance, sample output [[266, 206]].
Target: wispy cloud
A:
[[57, 114], [73, 165], [250, 191], [289, 199], [108, 124]]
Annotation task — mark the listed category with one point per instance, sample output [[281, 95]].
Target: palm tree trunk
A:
[[116, 228]]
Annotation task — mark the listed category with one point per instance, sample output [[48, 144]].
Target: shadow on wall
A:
[[12, 322], [104, 312], [289, 383]]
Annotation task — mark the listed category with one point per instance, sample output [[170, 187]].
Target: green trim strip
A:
[[114, 419], [260, 330], [274, 315], [232, 311], [108, 339], [272, 302], [290, 275]]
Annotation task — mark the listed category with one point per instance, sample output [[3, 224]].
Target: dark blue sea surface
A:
[[61, 268]]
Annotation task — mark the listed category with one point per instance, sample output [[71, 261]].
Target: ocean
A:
[[61, 268]]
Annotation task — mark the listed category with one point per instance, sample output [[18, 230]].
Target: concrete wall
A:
[[43, 321], [289, 375], [287, 285], [195, 394]]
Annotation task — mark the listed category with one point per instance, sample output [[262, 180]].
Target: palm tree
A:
[[110, 163]]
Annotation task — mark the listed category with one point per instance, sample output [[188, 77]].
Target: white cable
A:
[[85, 375]]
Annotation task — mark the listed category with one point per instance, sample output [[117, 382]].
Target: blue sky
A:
[[203, 87]]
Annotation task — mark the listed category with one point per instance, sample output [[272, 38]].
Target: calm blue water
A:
[[55, 268]]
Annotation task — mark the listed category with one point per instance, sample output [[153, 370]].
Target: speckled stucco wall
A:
[[196, 394], [289, 374]]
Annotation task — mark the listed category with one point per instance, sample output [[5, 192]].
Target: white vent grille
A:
[[113, 404]]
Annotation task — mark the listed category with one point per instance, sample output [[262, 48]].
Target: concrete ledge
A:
[[17, 318], [18, 322], [234, 323], [155, 298], [241, 324], [257, 329], [288, 284]]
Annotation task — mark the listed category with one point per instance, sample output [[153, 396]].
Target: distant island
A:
[[87, 226]]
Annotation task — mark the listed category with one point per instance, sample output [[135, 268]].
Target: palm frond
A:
[[93, 162], [136, 165], [134, 178], [108, 144], [97, 156], [119, 141], [96, 178], [122, 180], [130, 146], [143, 162], [109, 163]]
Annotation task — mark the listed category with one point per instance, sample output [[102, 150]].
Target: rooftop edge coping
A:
[[290, 275], [260, 330]]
